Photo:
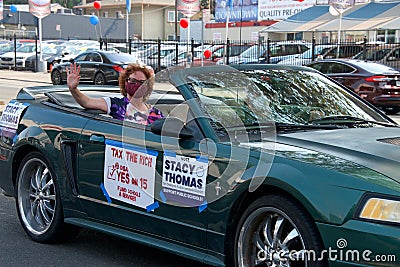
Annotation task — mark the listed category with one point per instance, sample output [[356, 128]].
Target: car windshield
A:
[[26, 49], [375, 67], [233, 98]]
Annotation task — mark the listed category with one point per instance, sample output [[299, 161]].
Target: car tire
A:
[[38, 202], [56, 77], [391, 110], [272, 228], [99, 79]]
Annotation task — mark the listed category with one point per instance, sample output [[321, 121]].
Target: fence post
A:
[[36, 54], [15, 52], [268, 50], [130, 45], [191, 50], [228, 42], [159, 54], [364, 48], [176, 52], [313, 48]]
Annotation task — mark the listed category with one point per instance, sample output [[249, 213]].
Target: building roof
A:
[[361, 17]]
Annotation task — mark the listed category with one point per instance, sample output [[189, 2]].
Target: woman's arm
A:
[[73, 78]]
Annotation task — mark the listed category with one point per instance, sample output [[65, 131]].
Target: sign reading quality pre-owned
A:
[[253, 10]]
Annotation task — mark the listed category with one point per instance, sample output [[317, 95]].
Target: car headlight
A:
[[381, 209]]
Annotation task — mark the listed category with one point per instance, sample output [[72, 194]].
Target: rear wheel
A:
[[391, 110], [99, 79], [275, 231], [39, 203], [56, 78]]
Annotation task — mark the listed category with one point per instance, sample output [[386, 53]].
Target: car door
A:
[[82, 60], [131, 194], [92, 64]]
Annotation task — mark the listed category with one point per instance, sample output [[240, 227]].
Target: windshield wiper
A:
[[345, 119]]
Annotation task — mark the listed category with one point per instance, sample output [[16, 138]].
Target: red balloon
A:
[[97, 5], [207, 53], [184, 23]]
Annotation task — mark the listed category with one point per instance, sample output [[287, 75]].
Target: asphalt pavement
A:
[[37, 78]]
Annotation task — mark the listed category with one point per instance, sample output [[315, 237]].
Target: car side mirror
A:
[[172, 127], [71, 60]]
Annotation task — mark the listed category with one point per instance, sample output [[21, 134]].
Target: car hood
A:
[[375, 148]]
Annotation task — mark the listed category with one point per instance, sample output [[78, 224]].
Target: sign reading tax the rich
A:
[[129, 173]]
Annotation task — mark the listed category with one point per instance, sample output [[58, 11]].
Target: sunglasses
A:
[[133, 80]]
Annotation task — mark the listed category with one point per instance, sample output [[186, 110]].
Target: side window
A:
[[318, 66], [96, 57], [395, 54], [339, 68], [81, 57], [291, 49], [303, 48]]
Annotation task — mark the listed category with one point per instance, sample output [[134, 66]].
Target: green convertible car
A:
[[253, 165]]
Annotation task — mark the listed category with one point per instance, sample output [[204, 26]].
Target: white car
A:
[[306, 57], [22, 53]]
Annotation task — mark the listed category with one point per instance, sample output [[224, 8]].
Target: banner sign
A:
[[128, 6], [184, 179], [188, 7], [240, 10], [129, 173], [39, 8], [10, 117], [257, 10]]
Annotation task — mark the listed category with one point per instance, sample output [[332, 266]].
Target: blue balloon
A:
[[94, 19], [13, 8]]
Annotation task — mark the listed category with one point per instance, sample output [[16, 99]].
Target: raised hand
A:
[[73, 76]]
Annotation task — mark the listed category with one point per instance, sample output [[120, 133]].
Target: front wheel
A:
[[276, 231], [39, 203]]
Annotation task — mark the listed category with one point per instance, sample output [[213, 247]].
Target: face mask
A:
[[135, 90]]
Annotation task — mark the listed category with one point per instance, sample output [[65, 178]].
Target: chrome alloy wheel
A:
[[36, 196], [269, 237]]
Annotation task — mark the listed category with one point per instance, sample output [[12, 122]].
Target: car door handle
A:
[[97, 138]]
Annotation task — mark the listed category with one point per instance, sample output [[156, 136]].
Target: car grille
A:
[[392, 141], [6, 58]]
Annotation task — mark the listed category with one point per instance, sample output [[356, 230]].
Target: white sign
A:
[[184, 179], [129, 173], [11, 114], [272, 9]]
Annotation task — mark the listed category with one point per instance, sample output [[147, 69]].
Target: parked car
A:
[[374, 82], [278, 51], [323, 51], [22, 53], [387, 54], [99, 67], [266, 165], [51, 54]]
